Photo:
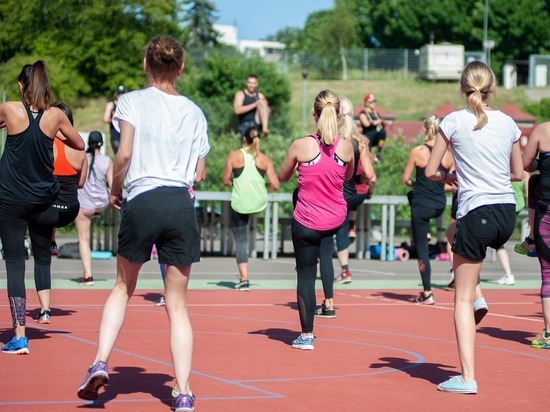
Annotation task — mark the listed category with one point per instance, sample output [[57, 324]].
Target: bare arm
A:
[[70, 136], [238, 104], [438, 152], [108, 109], [226, 178], [516, 164], [83, 173], [530, 163], [289, 164], [200, 171], [122, 161], [271, 176], [409, 169]]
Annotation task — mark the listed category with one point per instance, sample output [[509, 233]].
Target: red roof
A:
[[410, 130], [443, 110], [515, 113]]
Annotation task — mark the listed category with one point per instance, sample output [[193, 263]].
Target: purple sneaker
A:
[[96, 377], [183, 401]]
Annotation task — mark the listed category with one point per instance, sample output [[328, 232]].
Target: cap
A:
[[120, 90], [369, 98]]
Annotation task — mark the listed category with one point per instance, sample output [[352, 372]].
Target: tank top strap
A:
[[30, 113]]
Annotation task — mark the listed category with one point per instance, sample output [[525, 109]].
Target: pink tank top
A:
[[321, 204]]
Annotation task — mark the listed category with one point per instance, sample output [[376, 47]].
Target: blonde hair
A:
[[431, 124], [348, 128], [326, 108], [476, 83]]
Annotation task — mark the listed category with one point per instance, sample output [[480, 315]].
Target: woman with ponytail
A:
[[427, 200], [323, 161], [93, 199], [485, 146], [245, 171], [27, 183]]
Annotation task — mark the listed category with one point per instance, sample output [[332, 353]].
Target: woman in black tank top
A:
[[427, 200], [27, 184]]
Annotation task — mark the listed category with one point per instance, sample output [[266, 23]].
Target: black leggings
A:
[[420, 224], [41, 229], [239, 226], [307, 245], [13, 226]]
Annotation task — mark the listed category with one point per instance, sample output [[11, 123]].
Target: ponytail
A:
[[327, 107], [36, 90]]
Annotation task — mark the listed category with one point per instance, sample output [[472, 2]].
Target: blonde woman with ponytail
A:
[[485, 146], [245, 171], [427, 200], [323, 161]]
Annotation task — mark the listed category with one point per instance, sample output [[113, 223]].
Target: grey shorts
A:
[[164, 217]]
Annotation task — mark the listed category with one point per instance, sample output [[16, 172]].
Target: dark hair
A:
[[95, 141], [252, 137], [65, 109], [36, 90], [164, 57]]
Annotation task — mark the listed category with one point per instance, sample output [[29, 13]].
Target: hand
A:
[[116, 200]]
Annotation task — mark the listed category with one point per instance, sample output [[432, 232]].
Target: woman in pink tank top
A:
[[323, 162]]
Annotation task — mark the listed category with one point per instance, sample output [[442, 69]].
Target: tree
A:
[[98, 43], [200, 15]]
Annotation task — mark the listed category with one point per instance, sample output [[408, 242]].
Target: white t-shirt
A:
[[170, 136], [482, 158]]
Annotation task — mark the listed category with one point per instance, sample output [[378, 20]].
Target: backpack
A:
[[69, 251]]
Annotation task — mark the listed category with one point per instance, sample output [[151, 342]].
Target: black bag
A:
[[69, 251]]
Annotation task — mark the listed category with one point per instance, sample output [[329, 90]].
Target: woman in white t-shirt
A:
[[485, 146]]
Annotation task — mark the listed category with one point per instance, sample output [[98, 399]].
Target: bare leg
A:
[[83, 224], [262, 115], [546, 313], [114, 309], [502, 254], [44, 298], [181, 333], [243, 270], [466, 279]]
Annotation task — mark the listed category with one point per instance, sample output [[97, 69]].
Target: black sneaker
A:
[[325, 312], [53, 249], [160, 301], [243, 286], [425, 300], [44, 317]]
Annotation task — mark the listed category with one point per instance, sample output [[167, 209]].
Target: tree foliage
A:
[[96, 44], [200, 16]]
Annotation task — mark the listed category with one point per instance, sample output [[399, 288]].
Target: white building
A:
[[269, 50]]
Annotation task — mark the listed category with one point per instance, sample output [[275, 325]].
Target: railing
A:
[[214, 220]]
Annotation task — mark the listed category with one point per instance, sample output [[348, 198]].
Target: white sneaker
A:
[[507, 280]]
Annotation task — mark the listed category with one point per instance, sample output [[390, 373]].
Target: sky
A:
[[256, 19]]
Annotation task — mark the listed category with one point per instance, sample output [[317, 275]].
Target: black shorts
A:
[[486, 226], [164, 217]]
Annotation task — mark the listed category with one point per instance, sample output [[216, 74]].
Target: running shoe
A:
[[182, 401], [160, 301], [53, 249], [527, 247], [458, 385], [424, 300], [344, 277], [17, 346], [325, 311], [451, 284], [86, 281], [507, 280], [96, 377], [542, 342], [303, 343], [44, 317], [243, 286], [480, 309]]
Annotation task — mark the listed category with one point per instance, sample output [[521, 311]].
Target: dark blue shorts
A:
[[486, 226], [165, 217]]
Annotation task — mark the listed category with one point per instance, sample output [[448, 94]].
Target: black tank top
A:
[[349, 185], [427, 192], [544, 167], [250, 115], [26, 167]]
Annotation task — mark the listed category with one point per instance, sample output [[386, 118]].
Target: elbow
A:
[[275, 185], [515, 177]]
